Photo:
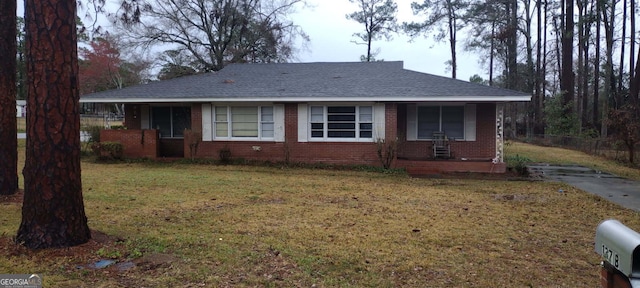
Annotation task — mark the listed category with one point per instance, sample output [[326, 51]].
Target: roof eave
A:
[[513, 98]]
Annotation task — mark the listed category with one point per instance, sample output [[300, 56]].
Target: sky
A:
[[331, 36]]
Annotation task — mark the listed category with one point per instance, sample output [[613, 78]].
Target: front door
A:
[[171, 121]]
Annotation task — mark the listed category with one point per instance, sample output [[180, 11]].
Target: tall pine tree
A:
[[8, 90], [53, 210]]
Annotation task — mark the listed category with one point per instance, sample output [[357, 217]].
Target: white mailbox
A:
[[619, 246]]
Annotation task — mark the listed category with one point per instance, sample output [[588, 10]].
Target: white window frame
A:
[[469, 121], [440, 120], [325, 122], [229, 123]]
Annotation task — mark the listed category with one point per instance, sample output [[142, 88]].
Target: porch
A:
[[144, 143], [428, 166]]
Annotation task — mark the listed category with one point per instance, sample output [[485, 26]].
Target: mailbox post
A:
[[619, 247]]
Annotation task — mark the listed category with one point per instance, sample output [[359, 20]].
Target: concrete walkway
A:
[[621, 191]]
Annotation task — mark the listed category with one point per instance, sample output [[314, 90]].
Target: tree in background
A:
[[53, 209], [218, 32], [379, 20], [558, 123], [625, 127], [445, 17], [176, 64], [8, 123], [102, 66], [487, 22], [99, 66], [475, 78], [567, 77], [21, 69]]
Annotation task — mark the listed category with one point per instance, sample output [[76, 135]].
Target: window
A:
[[171, 121], [448, 119], [243, 122], [341, 122]]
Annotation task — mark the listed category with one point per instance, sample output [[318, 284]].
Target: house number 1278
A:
[[610, 255]]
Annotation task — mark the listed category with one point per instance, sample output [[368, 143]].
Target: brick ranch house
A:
[[315, 112]]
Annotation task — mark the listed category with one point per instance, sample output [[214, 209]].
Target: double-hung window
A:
[[447, 119], [243, 122], [341, 122]]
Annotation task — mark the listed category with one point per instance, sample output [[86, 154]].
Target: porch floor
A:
[[428, 166]]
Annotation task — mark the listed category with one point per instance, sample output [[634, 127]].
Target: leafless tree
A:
[[218, 32]]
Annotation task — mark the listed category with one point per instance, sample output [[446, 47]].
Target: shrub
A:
[[94, 133], [518, 164], [225, 155], [386, 151], [107, 150]]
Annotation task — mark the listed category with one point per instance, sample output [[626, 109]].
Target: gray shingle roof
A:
[[354, 81]]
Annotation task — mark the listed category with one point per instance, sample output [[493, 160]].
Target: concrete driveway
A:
[[621, 191]]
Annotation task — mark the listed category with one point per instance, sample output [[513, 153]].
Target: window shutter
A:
[[379, 121], [412, 124], [207, 126], [470, 122], [278, 123], [303, 122], [144, 117]]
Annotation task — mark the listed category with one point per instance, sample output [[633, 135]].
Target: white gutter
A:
[[314, 99]]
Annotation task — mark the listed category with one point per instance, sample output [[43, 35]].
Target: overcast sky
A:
[[331, 36]]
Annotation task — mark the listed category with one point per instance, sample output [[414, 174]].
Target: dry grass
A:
[[85, 122], [222, 226], [22, 124], [555, 155]]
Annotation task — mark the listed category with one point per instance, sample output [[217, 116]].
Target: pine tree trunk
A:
[[632, 49], [567, 80], [53, 210], [539, 93], [452, 39], [619, 101], [596, 70], [8, 90], [543, 73]]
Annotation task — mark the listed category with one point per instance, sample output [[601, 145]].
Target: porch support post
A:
[[499, 133]]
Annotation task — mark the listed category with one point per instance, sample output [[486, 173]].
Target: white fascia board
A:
[[465, 99]]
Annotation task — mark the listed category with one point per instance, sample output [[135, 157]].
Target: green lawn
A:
[[220, 226]]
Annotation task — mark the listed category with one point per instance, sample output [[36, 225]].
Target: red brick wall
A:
[[136, 143], [308, 152], [483, 148], [612, 278], [448, 166], [332, 152]]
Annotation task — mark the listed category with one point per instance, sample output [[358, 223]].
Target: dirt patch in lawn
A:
[[84, 251], [105, 258]]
